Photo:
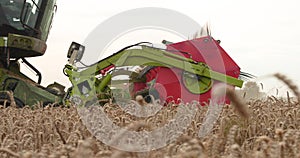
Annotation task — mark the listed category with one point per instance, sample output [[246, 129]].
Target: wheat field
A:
[[259, 128]]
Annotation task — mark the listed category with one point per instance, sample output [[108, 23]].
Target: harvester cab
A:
[[24, 29]]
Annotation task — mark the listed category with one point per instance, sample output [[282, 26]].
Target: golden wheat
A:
[[271, 129]]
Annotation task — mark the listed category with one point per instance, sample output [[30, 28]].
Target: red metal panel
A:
[[205, 49]]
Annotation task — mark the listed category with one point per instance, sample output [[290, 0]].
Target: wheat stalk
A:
[[290, 84], [9, 152]]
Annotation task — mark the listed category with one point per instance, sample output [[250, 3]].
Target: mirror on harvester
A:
[[79, 51]]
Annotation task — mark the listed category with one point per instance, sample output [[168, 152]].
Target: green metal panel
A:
[[47, 19], [3, 41], [25, 90], [155, 57]]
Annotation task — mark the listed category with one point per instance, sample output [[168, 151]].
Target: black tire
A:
[[4, 96]]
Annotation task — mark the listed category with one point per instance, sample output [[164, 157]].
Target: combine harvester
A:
[[186, 70]]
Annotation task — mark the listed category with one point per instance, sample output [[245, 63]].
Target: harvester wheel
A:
[[4, 99], [149, 95]]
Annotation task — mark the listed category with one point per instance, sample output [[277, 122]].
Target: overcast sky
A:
[[261, 36]]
